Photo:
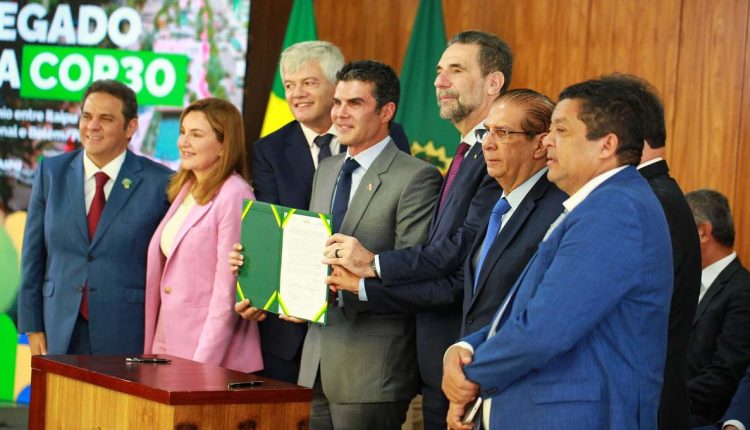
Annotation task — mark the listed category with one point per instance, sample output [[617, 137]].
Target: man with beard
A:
[[427, 280]]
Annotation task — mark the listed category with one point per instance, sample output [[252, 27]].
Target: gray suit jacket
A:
[[364, 357]]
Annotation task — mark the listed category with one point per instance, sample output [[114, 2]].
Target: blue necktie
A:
[[343, 189], [493, 227]]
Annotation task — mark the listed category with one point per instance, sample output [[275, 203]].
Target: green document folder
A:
[[262, 279]]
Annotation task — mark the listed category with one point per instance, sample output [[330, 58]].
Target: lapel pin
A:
[[369, 187], [475, 156], [126, 183]]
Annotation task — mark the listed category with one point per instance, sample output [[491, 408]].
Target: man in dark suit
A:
[[91, 216], [719, 348], [674, 406], [737, 415], [284, 163], [362, 366], [516, 158], [473, 70], [580, 340]]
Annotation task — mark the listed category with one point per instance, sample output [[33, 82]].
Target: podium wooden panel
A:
[[106, 392]]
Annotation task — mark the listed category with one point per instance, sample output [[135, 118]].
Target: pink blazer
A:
[[194, 288]]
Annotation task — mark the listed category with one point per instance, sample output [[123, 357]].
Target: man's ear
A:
[[131, 128], [387, 112], [705, 232], [494, 83], [540, 151]]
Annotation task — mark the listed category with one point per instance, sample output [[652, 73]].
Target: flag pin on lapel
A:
[[475, 156], [126, 183], [369, 187]]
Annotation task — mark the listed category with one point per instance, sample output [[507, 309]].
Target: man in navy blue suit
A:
[[427, 279], [283, 166], [580, 340], [91, 216], [737, 415]]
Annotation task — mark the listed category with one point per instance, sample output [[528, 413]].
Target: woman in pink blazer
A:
[[190, 290]]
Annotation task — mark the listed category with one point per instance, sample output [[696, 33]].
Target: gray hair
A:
[[712, 207], [327, 54]]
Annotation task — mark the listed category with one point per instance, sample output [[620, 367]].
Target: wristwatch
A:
[[374, 268]]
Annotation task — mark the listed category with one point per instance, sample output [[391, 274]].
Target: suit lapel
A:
[[473, 157], [718, 285], [367, 188], [76, 194], [511, 230], [297, 154], [195, 215], [119, 194]]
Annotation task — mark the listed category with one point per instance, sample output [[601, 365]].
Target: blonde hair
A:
[[226, 122]]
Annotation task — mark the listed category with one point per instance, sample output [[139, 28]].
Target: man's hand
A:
[[455, 414], [346, 251], [456, 387], [236, 259], [248, 312], [37, 342], [342, 279]]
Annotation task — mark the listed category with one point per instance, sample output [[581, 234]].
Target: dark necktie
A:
[[95, 212], [324, 143], [453, 170], [493, 227], [343, 189]]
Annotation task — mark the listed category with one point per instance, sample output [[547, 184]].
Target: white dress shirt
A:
[[710, 273], [112, 169], [310, 136]]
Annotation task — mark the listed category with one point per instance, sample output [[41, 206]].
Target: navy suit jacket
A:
[[58, 258], [434, 270], [583, 342], [739, 409], [283, 173], [719, 349], [686, 255], [509, 254]]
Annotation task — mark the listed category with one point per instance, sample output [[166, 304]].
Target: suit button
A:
[[90, 257], [167, 290], [469, 320]]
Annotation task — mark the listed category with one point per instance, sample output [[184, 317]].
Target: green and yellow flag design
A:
[[433, 139], [301, 28]]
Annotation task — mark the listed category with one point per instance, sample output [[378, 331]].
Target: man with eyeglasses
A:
[[427, 280]]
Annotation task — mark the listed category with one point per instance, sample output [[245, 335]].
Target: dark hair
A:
[[538, 109], [494, 53], [652, 109], [385, 84], [609, 108], [710, 206], [119, 90]]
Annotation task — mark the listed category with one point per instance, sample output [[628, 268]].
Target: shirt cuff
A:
[[465, 345], [377, 266], [735, 423], [362, 293]]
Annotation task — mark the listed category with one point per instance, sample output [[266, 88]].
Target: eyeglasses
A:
[[498, 133]]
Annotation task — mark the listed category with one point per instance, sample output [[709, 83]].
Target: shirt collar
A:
[[112, 169], [311, 134], [649, 162], [710, 273], [368, 156], [519, 193], [590, 186], [471, 138]]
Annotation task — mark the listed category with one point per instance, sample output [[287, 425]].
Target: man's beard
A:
[[456, 113]]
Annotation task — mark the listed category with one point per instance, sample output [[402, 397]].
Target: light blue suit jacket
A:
[[58, 258], [583, 343]]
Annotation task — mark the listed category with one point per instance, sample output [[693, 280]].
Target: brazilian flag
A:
[[301, 28], [433, 138]]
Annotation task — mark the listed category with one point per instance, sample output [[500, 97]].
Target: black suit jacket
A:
[[427, 279], [719, 349], [509, 254], [686, 255], [283, 172]]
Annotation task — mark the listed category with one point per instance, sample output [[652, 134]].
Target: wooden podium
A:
[[106, 392]]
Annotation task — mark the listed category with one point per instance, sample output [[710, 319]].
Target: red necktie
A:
[[455, 164], [95, 212]]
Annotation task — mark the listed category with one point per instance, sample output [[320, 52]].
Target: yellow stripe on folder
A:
[[271, 300], [326, 223], [320, 313], [239, 291], [288, 216], [247, 208], [283, 306], [276, 215]]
